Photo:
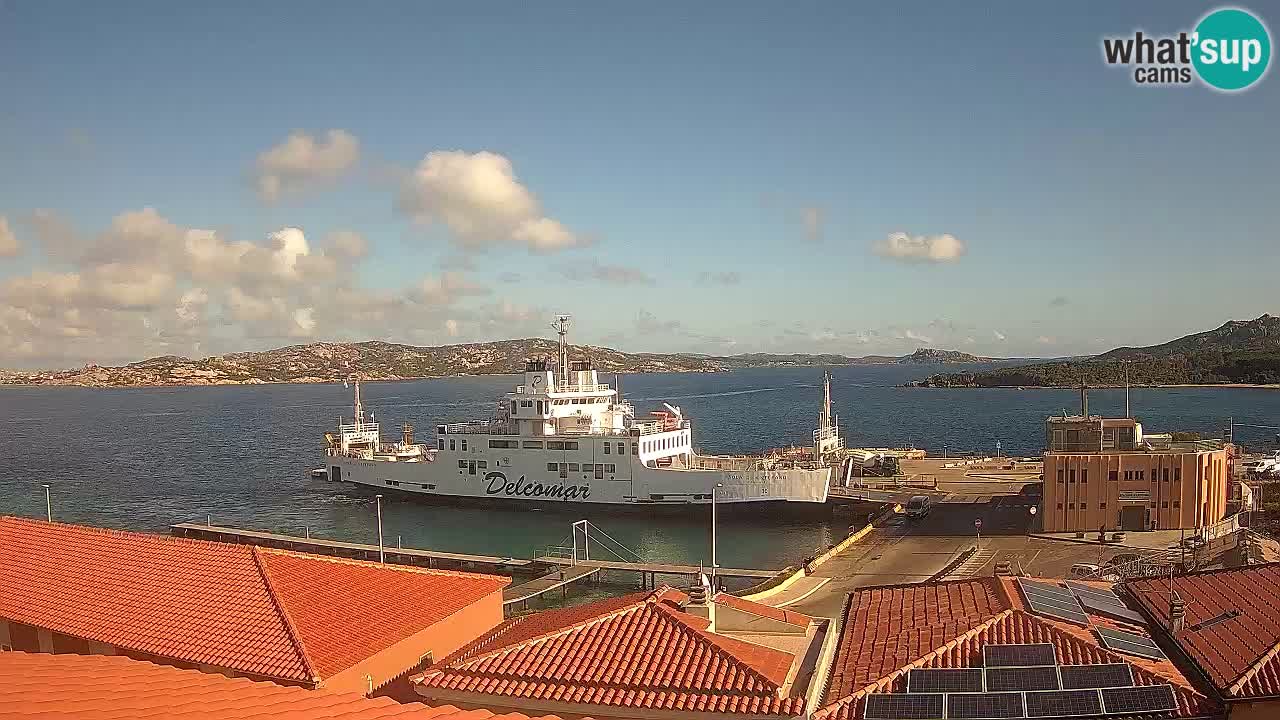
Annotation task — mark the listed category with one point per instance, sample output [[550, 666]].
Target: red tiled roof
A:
[[890, 630], [99, 687], [266, 612], [639, 651], [1241, 654]]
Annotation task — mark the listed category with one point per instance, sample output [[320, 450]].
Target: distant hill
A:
[[377, 360], [1240, 351]]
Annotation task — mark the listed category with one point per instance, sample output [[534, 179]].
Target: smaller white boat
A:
[[320, 473]]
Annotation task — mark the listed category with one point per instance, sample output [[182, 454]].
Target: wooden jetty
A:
[[359, 551], [560, 578], [650, 571]]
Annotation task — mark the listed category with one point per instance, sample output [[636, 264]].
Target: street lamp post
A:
[[48, 506], [715, 566], [382, 556]]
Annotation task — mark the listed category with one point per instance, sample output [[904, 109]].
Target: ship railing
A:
[[359, 427], [598, 387], [477, 427], [653, 427]]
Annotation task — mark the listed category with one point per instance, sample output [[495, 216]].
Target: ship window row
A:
[[585, 467], [580, 401], [482, 464], [664, 444]]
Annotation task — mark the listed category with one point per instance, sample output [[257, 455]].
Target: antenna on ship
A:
[[355, 378], [561, 326]]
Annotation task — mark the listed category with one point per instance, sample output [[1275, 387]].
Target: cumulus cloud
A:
[[303, 162], [920, 248], [608, 274], [482, 202], [445, 289], [719, 278], [813, 219], [9, 245]]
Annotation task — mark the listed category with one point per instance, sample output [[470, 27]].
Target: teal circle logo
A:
[[1230, 49]]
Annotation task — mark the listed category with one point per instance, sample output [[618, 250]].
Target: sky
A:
[[718, 177]]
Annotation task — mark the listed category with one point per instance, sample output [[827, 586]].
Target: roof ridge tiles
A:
[[719, 644], [477, 654], [283, 612], [1254, 669]]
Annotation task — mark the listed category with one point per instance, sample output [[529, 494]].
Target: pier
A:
[[358, 551], [651, 569], [561, 578]]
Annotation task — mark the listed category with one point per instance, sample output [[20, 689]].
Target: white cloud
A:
[[813, 219], [348, 244], [596, 271], [451, 327], [918, 337], [445, 289], [304, 321], [303, 162], [478, 197], [9, 245], [1044, 340], [999, 336], [920, 248]]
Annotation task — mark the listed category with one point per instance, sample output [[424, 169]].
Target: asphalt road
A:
[[902, 551]]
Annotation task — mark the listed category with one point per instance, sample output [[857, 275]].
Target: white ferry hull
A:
[[491, 476]]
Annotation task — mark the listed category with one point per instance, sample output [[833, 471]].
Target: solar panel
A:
[[984, 706], [1075, 615], [1082, 589], [1114, 610], [1130, 643], [903, 706], [1022, 678], [1150, 698], [949, 680], [1063, 703], [1029, 655], [1095, 676], [1031, 586]]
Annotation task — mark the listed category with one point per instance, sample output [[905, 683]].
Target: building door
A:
[[335, 473], [1133, 517]]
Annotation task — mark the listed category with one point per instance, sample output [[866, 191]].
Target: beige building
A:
[[1102, 473]]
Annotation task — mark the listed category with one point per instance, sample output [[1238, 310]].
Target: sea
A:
[[240, 456]]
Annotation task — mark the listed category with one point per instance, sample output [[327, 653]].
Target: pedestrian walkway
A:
[[797, 591], [973, 565]]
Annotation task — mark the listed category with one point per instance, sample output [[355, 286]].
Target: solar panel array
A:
[[1130, 643], [1021, 681], [1101, 601], [1053, 601]]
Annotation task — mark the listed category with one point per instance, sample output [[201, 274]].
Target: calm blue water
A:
[[147, 458]]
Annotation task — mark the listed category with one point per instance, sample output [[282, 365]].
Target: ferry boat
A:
[[563, 437]]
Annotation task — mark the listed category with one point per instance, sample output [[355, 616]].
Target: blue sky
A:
[[715, 176]]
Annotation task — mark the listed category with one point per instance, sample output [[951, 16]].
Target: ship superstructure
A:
[[563, 436]]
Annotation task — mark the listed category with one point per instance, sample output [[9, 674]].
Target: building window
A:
[[571, 445], [1071, 506], [1113, 475], [1084, 476], [1071, 475], [609, 467], [1165, 505], [451, 444], [1176, 504], [1128, 474], [1165, 474], [1177, 474], [1059, 506], [1139, 474], [573, 467], [551, 467], [606, 448], [635, 448], [439, 443], [1060, 474], [1102, 506], [1084, 506], [622, 448], [464, 445], [555, 445]]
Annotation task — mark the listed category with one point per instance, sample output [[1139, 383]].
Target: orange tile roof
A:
[[1240, 654], [639, 651], [266, 612], [99, 687], [889, 630]]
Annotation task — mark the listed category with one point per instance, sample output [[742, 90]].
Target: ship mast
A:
[[824, 417], [359, 409], [561, 326]]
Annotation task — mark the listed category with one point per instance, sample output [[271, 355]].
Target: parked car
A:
[[918, 507]]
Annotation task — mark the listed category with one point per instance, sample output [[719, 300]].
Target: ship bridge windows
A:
[[503, 444], [451, 444], [552, 467], [464, 445], [532, 444], [562, 445]]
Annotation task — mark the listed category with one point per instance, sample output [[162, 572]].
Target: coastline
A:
[[1239, 386]]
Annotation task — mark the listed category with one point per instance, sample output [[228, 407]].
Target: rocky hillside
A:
[[929, 356], [376, 360], [1240, 351]]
